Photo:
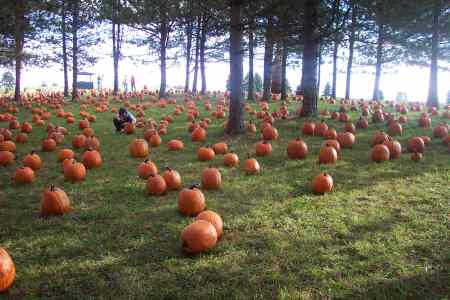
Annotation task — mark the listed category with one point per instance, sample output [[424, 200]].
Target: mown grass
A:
[[383, 233]]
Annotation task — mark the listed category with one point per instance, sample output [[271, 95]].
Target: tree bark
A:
[[64, 48], [283, 71], [276, 70], [116, 44], [236, 117], [335, 58], [351, 51], [433, 98], [163, 47], [197, 52], [319, 68], [202, 54], [189, 30], [251, 56], [75, 16], [19, 36], [268, 60], [378, 66], [310, 54]]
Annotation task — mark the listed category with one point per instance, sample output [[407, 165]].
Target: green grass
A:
[[383, 233]]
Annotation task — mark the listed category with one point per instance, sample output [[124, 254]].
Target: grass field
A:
[[383, 233]]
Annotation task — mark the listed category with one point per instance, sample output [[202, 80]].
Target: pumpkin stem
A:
[[52, 188], [194, 186]]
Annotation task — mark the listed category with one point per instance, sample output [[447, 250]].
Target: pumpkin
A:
[[220, 148], [416, 156], [156, 185], [172, 179], [48, 145], [270, 133], [251, 166], [146, 169], [175, 145], [88, 132], [6, 158], [395, 128], [8, 146], [263, 148], [54, 202], [79, 141], [92, 159], [380, 153], [320, 129], [191, 201], [92, 143], [379, 138], [198, 135], [362, 123], [333, 143], [155, 140], [67, 162], [33, 161], [24, 175], [322, 183], [139, 148], [214, 219], [21, 138], [416, 144], [64, 154], [26, 127], [308, 128], [83, 124], [440, 131], [75, 172], [424, 122], [199, 236], [231, 160], [7, 271], [211, 178], [205, 154], [328, 155], [426, 139], [395, 149], [330, 134], [297, 149], [129, 128], [346, 139]]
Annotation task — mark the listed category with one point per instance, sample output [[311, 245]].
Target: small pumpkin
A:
[[8, 146], [146, 169], [156, 185], [205, 154], [322, 183], [198, 135], [139, 148], [263, 148], [328, 155], [199, 236], [309, 128], [54, 202], [92, 159], [270, 133], [395, 149], [129, 128], [191, 201], [220, 148], [211, 178], [33, 161], [172, 178], [231, 160], [297, 149], [175, 145], [7, 271], [416, 144], [251, 166], [21, 138], [155, 140], [48, 145], [79, 141], [346, 139], [333, 143], [64, 154], [380, 153], [416, 156], [6, 158], [75, 172], [24, 175]]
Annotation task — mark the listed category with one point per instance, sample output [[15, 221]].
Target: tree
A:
[[401, 97], [327, 90], [448, 97], [351, 47], [8, 81]]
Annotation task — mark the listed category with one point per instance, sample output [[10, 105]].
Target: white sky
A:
[[412, 80]]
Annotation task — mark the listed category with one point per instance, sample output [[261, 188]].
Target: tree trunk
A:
[[335, 58], [251, 56], [188, 54], [197, 52], [283, 71], [433, 98], [319, 69], [351, 51], [163, 47], [75, 15], [310, 53], [276, 70], [236, 117], [64, 49], [268, 59], [202, 54], [380, 44], [19, 20]]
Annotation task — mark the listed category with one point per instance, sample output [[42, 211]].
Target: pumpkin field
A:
[[94, 220]]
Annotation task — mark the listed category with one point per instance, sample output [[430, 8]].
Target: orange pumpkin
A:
[[64, 154], [251, 166], [146, 169], [48, 145], [205, 154], [7, 271], [333, 143], [220, 148], [346, 139], [79, 141], [156, 185], [175, 145], [75, 172], [6, 158], [380, 153], [139, 148], [198, 135], [309, 128], [297, 149], [21, 138], [328, 155], [54, 202], [191, 201], [199, 236], [270, 133], [33, 161], [211, 178], [92, 159], [395, 149], [8, 146], [416, 144], [214, 219], [129, 128], [263, 148], [172, 178], [231, 160], [24, 175], [322, 183], [155, 140]]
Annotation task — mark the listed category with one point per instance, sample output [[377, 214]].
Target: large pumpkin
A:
[[380, 153], [146, 169], [270, 133], [211, 178], [198, 135], [92, 159], [7, 270], [346, 139], [199, 236], [191, 201], [328, 155], [54, 202], [230, 160], [263, 148], [75, 172], [139, 148], [416, 144], [205, 154], [395, 149], [297, 149], [24, 175], [251, 166], [212, 218], [156, 185]]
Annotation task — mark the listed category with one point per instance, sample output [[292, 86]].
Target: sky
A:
[[409, 79]]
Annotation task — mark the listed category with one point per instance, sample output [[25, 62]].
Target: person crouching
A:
[[123, 117]]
